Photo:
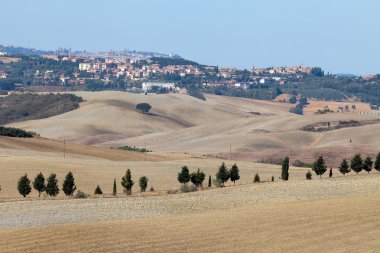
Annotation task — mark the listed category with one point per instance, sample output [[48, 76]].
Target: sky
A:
[[341, 36]]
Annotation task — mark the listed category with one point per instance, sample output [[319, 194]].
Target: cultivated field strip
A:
[[54, 212], [346, 224]]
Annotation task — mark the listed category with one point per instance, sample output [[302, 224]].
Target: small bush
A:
[[271, 161], [187, 188], [172, 191], [216, 183], [272, 178], [256, 179], [98, 190], [80, 195], [298, 163], [309, 175], [151, 189]]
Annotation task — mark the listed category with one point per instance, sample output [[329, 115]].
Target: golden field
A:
[[254, 129], [338, 214]]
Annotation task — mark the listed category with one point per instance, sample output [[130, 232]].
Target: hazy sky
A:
[[341, 36]]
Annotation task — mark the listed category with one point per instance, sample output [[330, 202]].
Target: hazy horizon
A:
[[338, 36]]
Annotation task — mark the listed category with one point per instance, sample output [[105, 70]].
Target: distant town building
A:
[[149, 85]]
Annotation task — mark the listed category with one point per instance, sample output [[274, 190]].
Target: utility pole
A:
[[64, 147], [230, 152], [145, 151]]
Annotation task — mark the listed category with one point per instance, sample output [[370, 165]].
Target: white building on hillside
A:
[[148, 85]]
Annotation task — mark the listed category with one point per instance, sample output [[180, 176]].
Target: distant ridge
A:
[[17, 50], [346, 75]]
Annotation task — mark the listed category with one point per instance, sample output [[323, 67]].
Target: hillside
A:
[[28, 106], [255, 129]]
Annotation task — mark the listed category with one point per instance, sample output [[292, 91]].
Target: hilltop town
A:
[[142, 72], [131, 66]]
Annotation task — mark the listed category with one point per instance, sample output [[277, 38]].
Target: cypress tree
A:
[[197, 178], [143, 183], [69, 186], [114, 190], [256, 179], [367, 166], [98, 190], [285, 169], [39, 183], [377, 162], [127, 182], [223, 174], [23, 185], [52, 185], [330, 173], [184, 175], [357, 163], [234, 173], [209, 181], [319, 166], [344, 167], [308, 175]]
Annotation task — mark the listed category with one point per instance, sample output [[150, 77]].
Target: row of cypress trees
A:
[[50, 187], [197, 178], [357, 164], [68, 187]]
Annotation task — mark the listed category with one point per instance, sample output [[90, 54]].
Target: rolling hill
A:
[[178, 123]]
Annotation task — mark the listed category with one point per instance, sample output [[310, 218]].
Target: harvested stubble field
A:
[[95, 165], [329, 215]]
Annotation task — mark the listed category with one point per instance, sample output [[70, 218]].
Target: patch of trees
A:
[[317, 72], [30, 70], [19, 107], [298, 109], [163, 61], [143, 107], [135, 149], [99, 85], [15, 132], [329, 126]]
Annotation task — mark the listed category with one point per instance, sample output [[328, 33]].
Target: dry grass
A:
[[9, 59], [95, 165], [255, 129], [315, 105], [333, 225]]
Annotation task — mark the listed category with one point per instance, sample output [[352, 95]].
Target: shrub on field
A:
[[80, 195], [309, 175], [256, 179], [188, 188], [217, 183], [172, 191]]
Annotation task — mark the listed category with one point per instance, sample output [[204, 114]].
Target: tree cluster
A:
[[50, 186]]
